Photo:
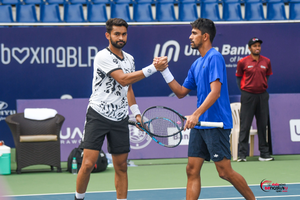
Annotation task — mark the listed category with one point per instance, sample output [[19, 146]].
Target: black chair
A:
[[36, 141]]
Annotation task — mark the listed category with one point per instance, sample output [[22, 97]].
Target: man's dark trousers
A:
[[254, 105]]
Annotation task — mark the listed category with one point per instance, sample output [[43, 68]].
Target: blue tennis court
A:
[[208, 193]]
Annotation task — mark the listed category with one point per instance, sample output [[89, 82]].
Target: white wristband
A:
[[148, 71], [167, 75], [135, 110]]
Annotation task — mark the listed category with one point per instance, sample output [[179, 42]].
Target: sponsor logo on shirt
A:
[[250, 66], [262, 67]]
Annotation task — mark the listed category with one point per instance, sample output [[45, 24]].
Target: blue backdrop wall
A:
[[48, 62]]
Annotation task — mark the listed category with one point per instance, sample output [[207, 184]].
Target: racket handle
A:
[[131, 122], [211, 124]]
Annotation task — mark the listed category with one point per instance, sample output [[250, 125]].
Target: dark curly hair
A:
[[115, 22], [205, 26]]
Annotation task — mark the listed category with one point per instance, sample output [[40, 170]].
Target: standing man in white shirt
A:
[[107, 114]]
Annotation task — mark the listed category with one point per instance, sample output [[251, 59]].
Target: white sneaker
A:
[[241, 159], [268, 158]]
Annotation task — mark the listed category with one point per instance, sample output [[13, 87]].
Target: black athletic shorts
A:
[[97, 127]]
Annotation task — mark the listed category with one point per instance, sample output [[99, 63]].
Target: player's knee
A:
[[121, 167], [190, 170], [224, 175], [87, 167]]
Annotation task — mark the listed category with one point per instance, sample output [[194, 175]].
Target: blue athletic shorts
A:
[[210, 144]]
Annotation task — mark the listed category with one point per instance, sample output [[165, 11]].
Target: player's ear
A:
[[107, 35], [206, 36]]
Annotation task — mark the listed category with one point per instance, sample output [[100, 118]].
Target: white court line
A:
[[134, 190], [257, 197]]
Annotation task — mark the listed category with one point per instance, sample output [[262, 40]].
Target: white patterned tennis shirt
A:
[[109, 98]]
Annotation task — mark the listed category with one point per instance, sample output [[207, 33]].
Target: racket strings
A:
[[162, 122]]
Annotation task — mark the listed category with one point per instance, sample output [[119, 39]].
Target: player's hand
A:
[[191, 121], [160, 63], [155, 60], [138, 119]]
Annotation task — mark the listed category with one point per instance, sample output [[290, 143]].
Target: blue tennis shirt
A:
[[202, 72]]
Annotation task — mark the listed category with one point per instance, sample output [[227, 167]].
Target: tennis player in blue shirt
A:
[[208, 76]]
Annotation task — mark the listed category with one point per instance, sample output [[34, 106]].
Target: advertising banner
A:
[[57, 62], [142, 146], [284, 117]]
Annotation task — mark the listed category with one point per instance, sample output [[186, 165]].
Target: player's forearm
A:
[[130, 78], [208, 102], [132, 104], [210, 99], [179, 90]]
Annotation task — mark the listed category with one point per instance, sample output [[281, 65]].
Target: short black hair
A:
[[205, 26], [115, 22]]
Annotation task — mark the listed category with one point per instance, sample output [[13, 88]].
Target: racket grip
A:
[[131, 122], [211, 124]]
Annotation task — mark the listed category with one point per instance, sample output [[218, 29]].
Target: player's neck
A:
[[116, 51], [204, 49]]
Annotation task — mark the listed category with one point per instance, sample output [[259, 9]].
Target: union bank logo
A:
[[172, 47]]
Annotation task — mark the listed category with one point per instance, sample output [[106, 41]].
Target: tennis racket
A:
[[161, 121], [170, 142]]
